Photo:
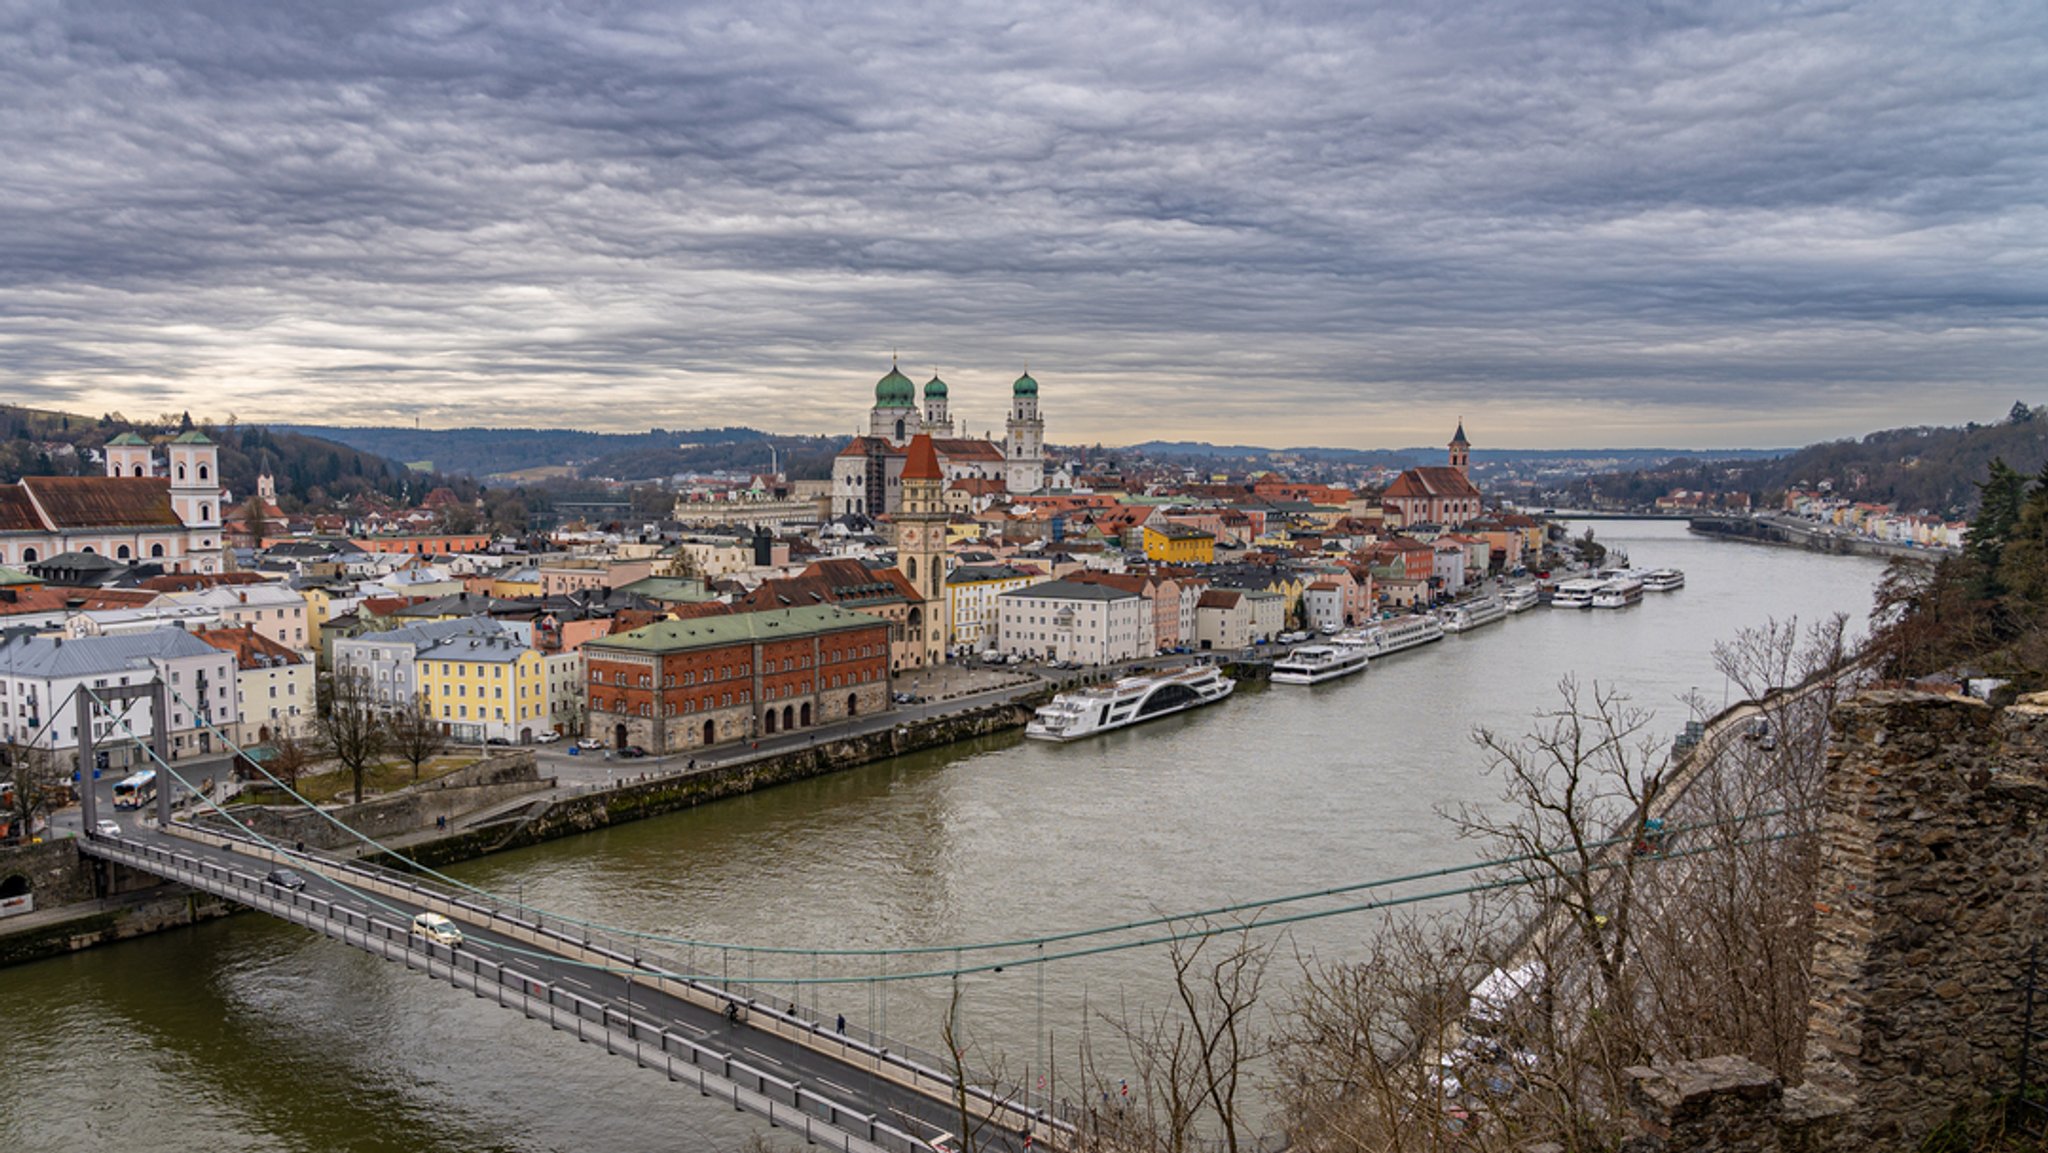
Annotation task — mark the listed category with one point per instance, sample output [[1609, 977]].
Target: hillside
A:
[[1921, 469], [491, 452], [309, 469]]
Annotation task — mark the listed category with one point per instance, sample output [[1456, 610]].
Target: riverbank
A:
[[80, 907], [1770, 530]]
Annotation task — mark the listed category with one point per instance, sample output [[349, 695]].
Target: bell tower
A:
[[1024, 442], [921, 545], [130, 455], [1461, 449]]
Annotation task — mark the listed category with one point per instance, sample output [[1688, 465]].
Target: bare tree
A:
[[39, 784], [350, 726], [973, 1122], [290, 756], [416, 735]]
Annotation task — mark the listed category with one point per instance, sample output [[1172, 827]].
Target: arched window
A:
[[156, 550], [910, 568], [138, 470], [121, 552], [181, 472], [28, 556], [202, 472], [205, 512]]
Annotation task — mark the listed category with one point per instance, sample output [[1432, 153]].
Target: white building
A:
[[1066, 621], [274, 610], [274, 685], [40, 675], [971, 595], [867, 473], [134, 513]]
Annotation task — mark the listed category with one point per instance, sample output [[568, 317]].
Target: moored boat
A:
[[1664, 580], [1576, 594], [1385, 637], [1520, 598], [1127, 701], [1619, 593], [1466, 617], [1314, 664]]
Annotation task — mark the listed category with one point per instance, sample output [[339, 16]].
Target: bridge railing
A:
[[782, 1102], [1014, 1106]]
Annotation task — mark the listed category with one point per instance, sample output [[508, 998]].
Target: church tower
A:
[[937, 420], [894, 417], [130, 455], [921, 548], [195, 497], [1024, 446], [1461, 450]]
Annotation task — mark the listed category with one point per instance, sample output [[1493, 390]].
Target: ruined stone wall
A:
[[488, 782], [1929, 898]]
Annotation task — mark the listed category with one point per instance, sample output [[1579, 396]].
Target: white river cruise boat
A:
[[1664, 580], [1619, 593], [1127, 701], [1576, 594], [1382, 638], [1314, 664], [1466, 617], [1520, 598]]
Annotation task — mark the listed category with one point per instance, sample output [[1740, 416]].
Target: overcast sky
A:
[[1596, 223]]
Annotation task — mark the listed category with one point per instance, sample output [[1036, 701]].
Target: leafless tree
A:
[[39, 784], [350, 726], [416, 735], [290, 756], [974, 1122]]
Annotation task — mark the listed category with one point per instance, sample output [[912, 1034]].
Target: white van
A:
[[437, 928]]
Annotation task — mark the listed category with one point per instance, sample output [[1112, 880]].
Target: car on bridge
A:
[[437, 928], [286, 879], [106, 828]]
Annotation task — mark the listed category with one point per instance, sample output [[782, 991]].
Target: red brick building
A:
[[680, 685]]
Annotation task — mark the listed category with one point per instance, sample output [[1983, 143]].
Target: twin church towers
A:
[[867, 474]]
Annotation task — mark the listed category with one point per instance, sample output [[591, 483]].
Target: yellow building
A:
[[1179, 544], [971, 592], [485, 687], [524, 582]]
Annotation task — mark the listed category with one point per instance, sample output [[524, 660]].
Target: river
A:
[[247, 1034]]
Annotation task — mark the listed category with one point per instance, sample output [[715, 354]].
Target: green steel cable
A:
[[919, 950]]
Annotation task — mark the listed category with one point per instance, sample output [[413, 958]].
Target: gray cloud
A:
[[1692, 224]]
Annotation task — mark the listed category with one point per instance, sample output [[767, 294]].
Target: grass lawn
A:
[[330, 783]]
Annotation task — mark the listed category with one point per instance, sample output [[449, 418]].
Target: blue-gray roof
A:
[[90, 656]]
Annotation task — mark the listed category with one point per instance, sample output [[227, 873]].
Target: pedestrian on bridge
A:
[[842, 1023]]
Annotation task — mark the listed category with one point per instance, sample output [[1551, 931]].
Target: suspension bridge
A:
[[643, 996]]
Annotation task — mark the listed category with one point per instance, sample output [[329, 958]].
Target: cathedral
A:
[[134, 513], [867, 476]]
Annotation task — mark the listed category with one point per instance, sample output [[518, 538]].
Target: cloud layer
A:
[[1704, 223]]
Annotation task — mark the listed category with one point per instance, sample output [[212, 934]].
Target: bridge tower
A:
[[90, 714]]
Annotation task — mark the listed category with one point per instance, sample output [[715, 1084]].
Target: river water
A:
[[247, 1034]]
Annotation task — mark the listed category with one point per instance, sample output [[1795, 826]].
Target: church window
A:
[[202, 472], [156, 550], [181, 472], [122, 552]]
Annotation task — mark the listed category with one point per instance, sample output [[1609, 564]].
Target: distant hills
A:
[[41, 442], [517, 453], [1936, 469], [1434, 454]]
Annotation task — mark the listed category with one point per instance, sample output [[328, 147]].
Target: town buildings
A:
[[1093, 624], [40, 675], [135, 512], [1437, 494]]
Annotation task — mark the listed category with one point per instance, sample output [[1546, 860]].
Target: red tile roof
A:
[[1431, 481], [74, 502], [922, 462], [252, 650]]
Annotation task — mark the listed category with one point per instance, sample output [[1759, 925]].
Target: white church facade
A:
[[867, 475], [134, 513]]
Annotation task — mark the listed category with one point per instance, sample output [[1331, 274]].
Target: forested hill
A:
[[484, 452], [309, 469], [1936, 469]]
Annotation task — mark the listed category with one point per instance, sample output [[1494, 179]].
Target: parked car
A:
[[591, 744], [631, 752], [285, 879], [498, 741], [546, 738]]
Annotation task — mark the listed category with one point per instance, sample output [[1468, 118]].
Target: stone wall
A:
[[94, 923], [490, 781], [1930, 896], [668, 794], [53, 870]]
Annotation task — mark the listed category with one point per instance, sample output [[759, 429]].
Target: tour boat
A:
[[1382, 638], [1664, 580], [1465, 617], [1520, 598], [1576, 594], [1127, 701], [1619, 593], [1314, 664]]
